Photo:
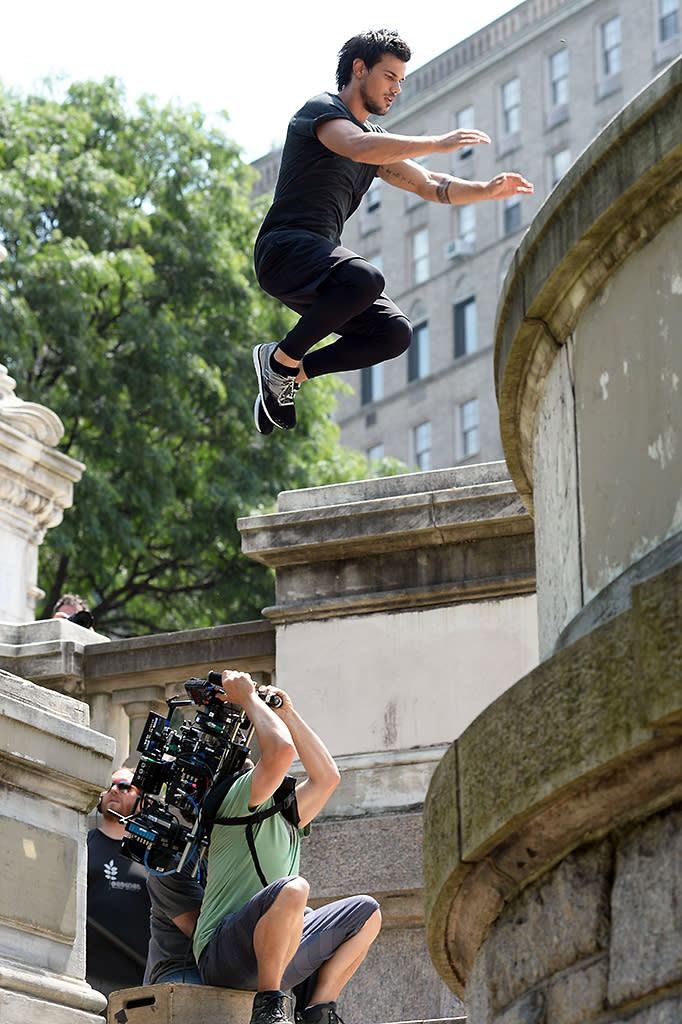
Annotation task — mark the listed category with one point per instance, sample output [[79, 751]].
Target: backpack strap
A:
[[285, 804]]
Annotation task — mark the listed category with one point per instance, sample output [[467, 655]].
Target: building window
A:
[[558, 78], [464, 121], [422, 446], [466, 224], [610, 47], [468, 425], [466, 327], [559, 164], [418, 357], [512, 214], [375, 453], [511, 107], [668, 20], [420, 256], [372, 383]]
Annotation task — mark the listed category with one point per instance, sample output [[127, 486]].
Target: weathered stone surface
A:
[[657, 606], [578, 995], [394, 975], [52, 766], [646, 945], [166, 658], [529, 1009], [563, 719], [379, 854], [552, 925], [668, 1011], [573, 750], [557, 544], [397, 542]]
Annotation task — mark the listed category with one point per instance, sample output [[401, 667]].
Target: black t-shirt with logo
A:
[[317, 190], [117, 900]]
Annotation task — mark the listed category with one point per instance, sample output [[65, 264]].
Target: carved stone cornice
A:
[[36, 483]]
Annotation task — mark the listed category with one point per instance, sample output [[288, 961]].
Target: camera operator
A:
[[262, 937], [117, 933]]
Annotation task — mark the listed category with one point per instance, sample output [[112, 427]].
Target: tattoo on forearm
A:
[[443, 190]]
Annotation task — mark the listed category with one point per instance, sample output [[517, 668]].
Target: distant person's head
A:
[[369, 47], [74, 608], [121, 796]]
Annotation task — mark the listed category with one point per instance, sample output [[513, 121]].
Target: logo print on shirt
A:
[[110, 871]]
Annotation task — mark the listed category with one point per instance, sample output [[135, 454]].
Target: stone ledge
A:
[[364, 521], [587, 742], [170, 658], [43, 748], [20, 985]]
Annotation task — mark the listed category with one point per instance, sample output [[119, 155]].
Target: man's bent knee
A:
[[295, 892], [398, 337]]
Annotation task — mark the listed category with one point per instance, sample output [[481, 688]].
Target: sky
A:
[[260, 62]]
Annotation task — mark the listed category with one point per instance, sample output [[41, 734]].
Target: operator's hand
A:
[[507, 184], [287, 703], [237, 686], [460, 139]]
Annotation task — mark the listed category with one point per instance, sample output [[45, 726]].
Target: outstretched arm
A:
[[444, 188], [349, 140]]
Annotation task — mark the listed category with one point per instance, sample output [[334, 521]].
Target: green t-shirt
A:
[[232, 875]]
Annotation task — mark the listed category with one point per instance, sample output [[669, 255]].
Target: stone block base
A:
[[172, 1003]]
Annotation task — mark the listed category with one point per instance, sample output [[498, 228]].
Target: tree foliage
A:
[[128, 305]]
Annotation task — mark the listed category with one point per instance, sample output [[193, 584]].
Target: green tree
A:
[[128, 305]]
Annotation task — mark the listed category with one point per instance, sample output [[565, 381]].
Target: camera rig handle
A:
[[215, 679]]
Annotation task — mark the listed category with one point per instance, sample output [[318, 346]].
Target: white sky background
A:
[[259, 61]]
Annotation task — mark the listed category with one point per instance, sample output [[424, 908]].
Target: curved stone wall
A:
[[588, 367], [570, 777]]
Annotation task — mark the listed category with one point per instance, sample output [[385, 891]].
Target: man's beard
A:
[[370, 106]]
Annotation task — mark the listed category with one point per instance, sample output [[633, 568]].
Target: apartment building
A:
[[542, 80]]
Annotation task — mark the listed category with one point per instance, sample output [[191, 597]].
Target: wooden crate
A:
[[173, 1003]]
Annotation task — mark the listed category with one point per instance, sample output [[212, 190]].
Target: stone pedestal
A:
[[553, 825], [36, 485], [53, 768]]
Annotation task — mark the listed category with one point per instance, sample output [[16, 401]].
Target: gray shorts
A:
[[228, 959]]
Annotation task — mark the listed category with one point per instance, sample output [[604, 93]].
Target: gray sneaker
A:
[[276, 390], [271, 1008]]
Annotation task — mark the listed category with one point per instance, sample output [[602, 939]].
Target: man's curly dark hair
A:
[[370, 48]]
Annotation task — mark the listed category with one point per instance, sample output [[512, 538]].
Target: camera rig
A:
[[182, 762]]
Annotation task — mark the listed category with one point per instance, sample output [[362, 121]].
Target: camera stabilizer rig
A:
[[187, 760]]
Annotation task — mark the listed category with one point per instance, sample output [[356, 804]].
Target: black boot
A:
[[271, 1008], [321, 1013]]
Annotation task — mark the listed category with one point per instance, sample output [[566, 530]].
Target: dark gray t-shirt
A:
[[169, 949], [317, 190]]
